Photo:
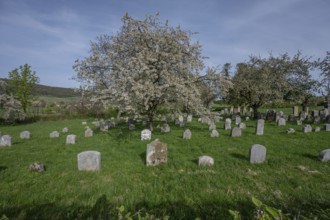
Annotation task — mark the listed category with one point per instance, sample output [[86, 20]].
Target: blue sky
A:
[[50, 35]]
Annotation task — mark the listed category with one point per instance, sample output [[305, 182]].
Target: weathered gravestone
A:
[[205, 161], [324, 155], [156, 153], [242, 125], [257, 153], [54, 134], [260, 127], [189, 118], [214, 133], [165, 128], [247, 118], [131, 127], [327, 127], [37, 167], [187, 134], [25, 135], [290, 130], [89, 161], [295, 111], [65, 130], [145, 134], [299, 122], [236, 132], [228, 124], [307, 128], [71, 139], [180, 118], [317, 129], [5, 140], [96, 123], [212, 126], [88, 132], [281, 122], [238, 120], [104, 126]]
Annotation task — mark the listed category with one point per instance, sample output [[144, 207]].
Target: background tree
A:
[[146, 66], [21, 83], [324, 66], [263, 80]]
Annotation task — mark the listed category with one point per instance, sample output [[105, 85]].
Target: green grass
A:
[[292, 179], [49, 99]]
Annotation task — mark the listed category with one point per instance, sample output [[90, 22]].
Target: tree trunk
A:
[[150, 121], [119, 114], [255, 112]]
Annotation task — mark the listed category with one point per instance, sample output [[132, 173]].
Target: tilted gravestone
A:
[[88, 132], [156, 153], [214, 133], [165, 128], [54, 134], [260, 127], [187, 134], [257, 153], [307, 128], [324, 155], [236, 132], [89, 160], [71, 139], [25, 135], [145, 134], [5, 140], [205, 161], [281, 122]]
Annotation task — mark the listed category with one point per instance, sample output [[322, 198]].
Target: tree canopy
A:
[[147, 65]]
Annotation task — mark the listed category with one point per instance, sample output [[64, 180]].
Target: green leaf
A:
[[256, 202], [273, 212], [235, 214], [121, 209]]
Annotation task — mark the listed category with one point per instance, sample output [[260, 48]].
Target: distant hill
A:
[[59, 92]]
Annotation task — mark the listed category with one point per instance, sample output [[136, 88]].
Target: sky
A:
[[50, 35]]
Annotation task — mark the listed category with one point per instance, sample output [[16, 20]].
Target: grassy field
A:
[[292, 178]]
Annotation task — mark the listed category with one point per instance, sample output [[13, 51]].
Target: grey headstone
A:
[[295, 111], [236, 132], [187, 134], [71, 139], [165, 128], [317, 129], [238, 120], [96, 123], [156, 153], [307, 128], [214, 133], [88, 132], [65, 130], [290, 130], [299, 122], [324, 155], [54, 134], [327, 127], [180, 118], [37, 167], [228, 124], [5, 140], [89, 160], [25, 135], [281, 122], [257, 153], [145, 134], [247, 118], [189, 118], [205, 161], [242, 125], [260, 127]]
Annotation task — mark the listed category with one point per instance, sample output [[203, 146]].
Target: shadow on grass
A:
[[3, 168], [311, 157], [239, 156], [143, 156]]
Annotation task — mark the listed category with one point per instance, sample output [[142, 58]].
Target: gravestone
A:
[[5, 140], [317, 119], [317, 129], [228, 124], [238, 120], [281, 122], [180, 118], [295, 111], [182, 124], [89, 161], [156, 153], [145, 134], [316, 113], [71, 139], [131, 127], [242, 125], [165, 128], [54, 134], [290, 130], [214, 133], [236, 132], [104, 126], [65, 130], [96, 123], [299, 122], [257, 153], [37, 167], [307, 128], [187, 134], [327, 127], [212, 126], [205, 161], [260, 127], [25, 135], [177, 121], [247, 119], [324, 155], [88, 132], [303, 116], [189, 118]]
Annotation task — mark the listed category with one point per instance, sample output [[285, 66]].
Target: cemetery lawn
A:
[[292, 178]]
